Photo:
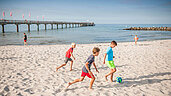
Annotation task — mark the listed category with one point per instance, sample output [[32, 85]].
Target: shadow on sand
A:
[[108, 67], [132, 82]]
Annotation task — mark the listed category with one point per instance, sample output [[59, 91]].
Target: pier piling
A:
[[17, 27], [3, 28], [37, 27], [62, 26], [45, 26], [52, 26], [28, 27], [65, 25]]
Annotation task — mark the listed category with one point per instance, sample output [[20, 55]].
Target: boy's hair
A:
[[114, 42], [95, 49], [73, 44], [24, 33]]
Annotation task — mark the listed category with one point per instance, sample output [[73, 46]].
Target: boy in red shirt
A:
[[68, 57]]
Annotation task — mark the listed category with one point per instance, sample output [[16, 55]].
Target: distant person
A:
[[68, 55], [86, 69], [108, 60], [136, 39], [25, 39]]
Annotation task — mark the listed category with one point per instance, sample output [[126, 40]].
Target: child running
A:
[[86, 69], [108, 60], [136, 39], [68, 55]]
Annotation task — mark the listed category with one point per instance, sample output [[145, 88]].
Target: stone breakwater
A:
[[150, 28]]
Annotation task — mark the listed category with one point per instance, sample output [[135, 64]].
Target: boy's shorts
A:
[[110, 64], [25, 40], [83, 74], [67, 59]]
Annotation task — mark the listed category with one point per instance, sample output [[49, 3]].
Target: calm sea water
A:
[[94, 34]]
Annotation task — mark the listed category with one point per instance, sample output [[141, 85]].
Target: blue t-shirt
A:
[[109, 56], [90, 60]]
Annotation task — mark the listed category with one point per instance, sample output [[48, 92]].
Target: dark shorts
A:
[[83, 74], [67, 59]]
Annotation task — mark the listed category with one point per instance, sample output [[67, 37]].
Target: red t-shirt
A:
[[136, 38], [68, 53]]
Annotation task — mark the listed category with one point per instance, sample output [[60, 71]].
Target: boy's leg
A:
[[60, 66], [111, 72], [111, 78], [66, 61], [71, 66], [91, 82], [75, 81]]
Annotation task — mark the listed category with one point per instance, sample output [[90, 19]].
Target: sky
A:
[[98, 11]]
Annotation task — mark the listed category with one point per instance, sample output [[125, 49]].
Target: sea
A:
[[100, 33]]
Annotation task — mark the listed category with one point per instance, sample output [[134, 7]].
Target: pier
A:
[[57, 23], [150, 28]]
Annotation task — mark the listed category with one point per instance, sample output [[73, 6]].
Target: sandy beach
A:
[[31, 70]]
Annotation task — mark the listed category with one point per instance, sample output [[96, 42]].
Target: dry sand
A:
[[30, 70]]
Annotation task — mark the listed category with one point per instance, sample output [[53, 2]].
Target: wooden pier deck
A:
[[29, 22]]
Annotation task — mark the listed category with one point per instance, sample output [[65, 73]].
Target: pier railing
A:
[[29, 22]]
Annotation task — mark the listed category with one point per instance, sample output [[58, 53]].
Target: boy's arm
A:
[[95, 67], [72, 55], [86, 65], [104, 58]]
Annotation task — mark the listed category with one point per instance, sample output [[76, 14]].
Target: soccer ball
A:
[[118, 79]]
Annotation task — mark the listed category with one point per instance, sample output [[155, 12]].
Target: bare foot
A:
[[90, 89], [56, 69], [70, 69], [68, 85], [106, 78]]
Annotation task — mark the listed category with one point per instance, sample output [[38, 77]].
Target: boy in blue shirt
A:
[[108, 60]]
